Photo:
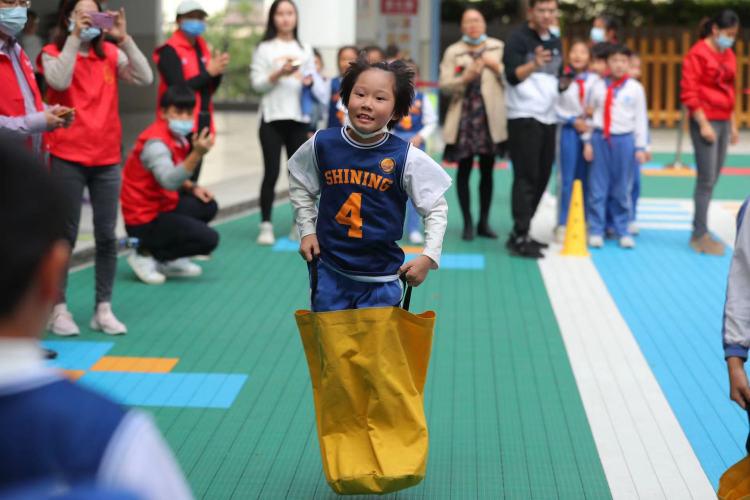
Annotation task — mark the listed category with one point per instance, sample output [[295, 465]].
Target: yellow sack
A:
[[368, 369], [735, 482]]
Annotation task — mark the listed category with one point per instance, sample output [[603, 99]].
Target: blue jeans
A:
[[610, 181], [336, 292], [635, 190], [572, 167]]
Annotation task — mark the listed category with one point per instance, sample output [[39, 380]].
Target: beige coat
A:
[[492, 90]]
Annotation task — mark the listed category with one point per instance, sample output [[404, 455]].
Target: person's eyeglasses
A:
[[16, 3]]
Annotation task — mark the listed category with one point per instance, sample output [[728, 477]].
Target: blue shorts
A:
[[337, 292]]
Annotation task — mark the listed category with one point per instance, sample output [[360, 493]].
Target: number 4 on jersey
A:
[[350, 215]]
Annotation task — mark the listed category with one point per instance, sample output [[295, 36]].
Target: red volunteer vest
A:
[[190, 68], [141, 196], [11, 98], [94, 139]]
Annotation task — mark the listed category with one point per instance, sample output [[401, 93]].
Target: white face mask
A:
[[364, 135]]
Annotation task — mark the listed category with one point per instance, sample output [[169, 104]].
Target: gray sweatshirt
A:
[[736, 331]]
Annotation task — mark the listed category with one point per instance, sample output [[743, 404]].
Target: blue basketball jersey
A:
[[58, 431], [362, 203], [412, 123], [334, 120]]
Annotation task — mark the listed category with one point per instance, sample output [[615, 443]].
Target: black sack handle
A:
[[313, 268], [406, 300], [747, 443]]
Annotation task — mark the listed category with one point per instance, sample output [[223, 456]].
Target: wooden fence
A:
[[662, 51]]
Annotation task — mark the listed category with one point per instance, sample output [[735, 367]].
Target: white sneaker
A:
[[416, 238], [61, 322], [596, 241], [627, 242], [144, 266], [104, 320], [633, 229], [179, 268], [560, 234], [266, 236]]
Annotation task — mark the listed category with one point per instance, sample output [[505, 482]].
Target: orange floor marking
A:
[[132, 364], [73, 374], [669, 172]]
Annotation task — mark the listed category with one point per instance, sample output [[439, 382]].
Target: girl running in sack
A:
[[364, 176]]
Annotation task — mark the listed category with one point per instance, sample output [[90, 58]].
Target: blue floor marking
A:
[[466, 261], [285, 245], [184, 390], [77, 354], [672, 299]]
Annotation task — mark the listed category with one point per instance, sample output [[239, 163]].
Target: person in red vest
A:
[[170, 224], [21, 107], [83, 71], [187, 59]]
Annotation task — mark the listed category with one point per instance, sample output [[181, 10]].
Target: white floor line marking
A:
[[644, 451]]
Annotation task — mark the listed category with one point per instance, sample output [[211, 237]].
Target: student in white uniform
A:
[[620, 123], [573, 123], [55, 435]]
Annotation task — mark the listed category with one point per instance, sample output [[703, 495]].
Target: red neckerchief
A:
[[611, 89]]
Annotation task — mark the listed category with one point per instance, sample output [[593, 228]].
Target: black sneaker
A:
[[49, 353], [468, 233], [520, 246], [537, 244]]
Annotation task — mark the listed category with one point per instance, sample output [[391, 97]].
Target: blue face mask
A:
[[724, 42], [193, 27], [12, 20], [555, 31], [87, 34], [181, 127], [474, 41], [598, 35]]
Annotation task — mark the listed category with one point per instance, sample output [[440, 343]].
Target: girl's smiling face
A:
[[579, 56], [372, 100]]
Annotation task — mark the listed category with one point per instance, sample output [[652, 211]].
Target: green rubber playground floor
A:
[[505, 416]]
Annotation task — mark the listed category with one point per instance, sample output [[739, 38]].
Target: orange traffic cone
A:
[[575, 230]]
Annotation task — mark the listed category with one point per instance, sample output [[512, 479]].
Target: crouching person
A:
[[166, 212]]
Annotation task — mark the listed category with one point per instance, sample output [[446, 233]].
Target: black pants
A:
[[183, 232], [274, 135], [532, 150], [486, 166]]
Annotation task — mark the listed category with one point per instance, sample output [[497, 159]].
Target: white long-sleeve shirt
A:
[[281, 100], [569, 106], [629, 110], [136, 460], [424, 181]]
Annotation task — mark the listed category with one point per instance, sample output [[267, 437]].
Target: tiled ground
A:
[[504, 407]]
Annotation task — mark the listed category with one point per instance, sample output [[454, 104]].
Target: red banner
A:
[[399, 7]]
